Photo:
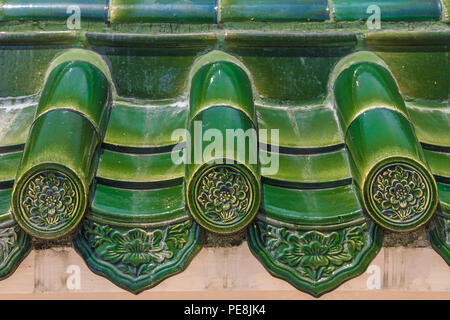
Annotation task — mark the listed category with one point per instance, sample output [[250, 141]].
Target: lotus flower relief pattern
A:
[[49, 199], [137, 247], [223, 194], [314, 252], [136, 251], [315, 255], [400, 193]]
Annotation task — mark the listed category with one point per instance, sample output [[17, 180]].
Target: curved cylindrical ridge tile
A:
[[52, 184], [388, 164], [223, 188]]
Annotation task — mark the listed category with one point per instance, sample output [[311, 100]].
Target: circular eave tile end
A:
[[400, 194], [48, 201], [224, 198]]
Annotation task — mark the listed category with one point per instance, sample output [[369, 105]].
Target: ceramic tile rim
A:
[[367, 180], [231, 228], [80, 187]]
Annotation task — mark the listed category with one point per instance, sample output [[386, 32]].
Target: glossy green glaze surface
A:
[[145, 126], [259, 64], [79, 87], [311, 170], [141, 169], [301, 127], [439, 163], [58, 164], [396, 187], [114, 205], [390, 9], [223, 190], [316, 208], [268, 10], [9, 163], [411, 53]]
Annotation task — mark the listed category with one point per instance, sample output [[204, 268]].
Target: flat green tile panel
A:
[[307, 127], [432, 67], [311, 207], [138, 167], [51, 9], [5, 205], [9, 163], [432, 125], [411, 10], [409, 54], [299, 74], [145, 125], [269, 10], [128, 205], [312, 169], [16, 116], [23, 68], [292, 74], [439, 163], [149, 73], [184, 11]]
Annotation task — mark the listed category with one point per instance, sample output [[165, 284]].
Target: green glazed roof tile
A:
[[307, 208], [138, 169], [290, 254], [183, 11], [106, 250], [310, 170], [52, 9], [138, 194], [269, 10], [133, 206], [412, 10]]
